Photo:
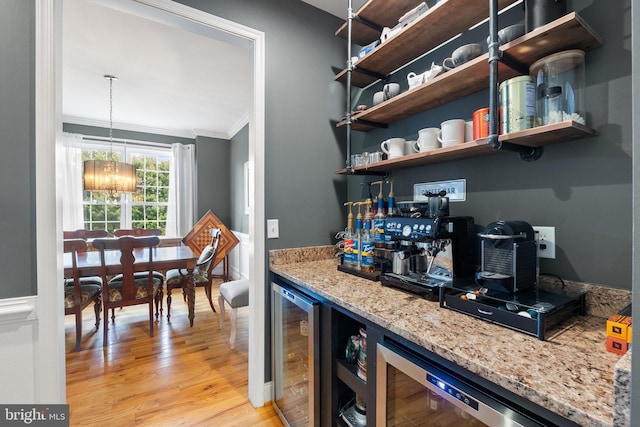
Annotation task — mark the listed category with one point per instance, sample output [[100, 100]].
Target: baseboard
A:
[[268, 393]]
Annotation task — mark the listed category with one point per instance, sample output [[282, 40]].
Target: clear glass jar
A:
[[559, 80]]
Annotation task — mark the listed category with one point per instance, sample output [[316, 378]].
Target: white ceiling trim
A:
[[237, 127], [180, 133]]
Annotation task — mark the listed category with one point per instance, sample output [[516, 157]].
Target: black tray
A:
[[492, 308]]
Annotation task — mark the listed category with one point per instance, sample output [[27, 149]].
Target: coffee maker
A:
[[509, 257], [425, 251]]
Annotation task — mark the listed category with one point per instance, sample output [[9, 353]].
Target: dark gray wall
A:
[[17, 136], [212, 162], [239, 155], [583, 187], [302, 104]]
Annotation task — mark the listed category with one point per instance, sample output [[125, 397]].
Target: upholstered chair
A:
[[202, 273], [131, 288], [78, 294]]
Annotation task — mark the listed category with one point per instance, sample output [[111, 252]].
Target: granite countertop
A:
[[569, 373]]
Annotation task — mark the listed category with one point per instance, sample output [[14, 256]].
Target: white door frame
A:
[[49, 129]]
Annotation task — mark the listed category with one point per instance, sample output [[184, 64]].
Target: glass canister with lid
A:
[[559, 80]]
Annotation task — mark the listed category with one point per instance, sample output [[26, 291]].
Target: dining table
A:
[[164, 258]]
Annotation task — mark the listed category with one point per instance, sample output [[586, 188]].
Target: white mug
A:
[[468, 131], [409, 147], [393, 147], [452, 132], [427, 140], [378, 97]]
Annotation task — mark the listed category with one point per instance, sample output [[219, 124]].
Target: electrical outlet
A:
[[546, 237], [273, 229]]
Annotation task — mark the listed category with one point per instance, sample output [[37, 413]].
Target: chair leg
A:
[[105, 327], [151, 322], [97, 307], [78, 328], [221, 304], [207, 291], [233, 315], [158, 300], [168, 302]]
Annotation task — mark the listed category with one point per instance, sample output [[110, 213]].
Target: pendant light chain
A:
[[111, 79]]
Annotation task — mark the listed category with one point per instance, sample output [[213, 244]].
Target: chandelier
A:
[[109, 176]]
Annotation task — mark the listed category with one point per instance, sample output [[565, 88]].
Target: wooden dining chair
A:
[[137, 232], [141, 232], [130, 289], [78, 294], [202, 273], [84, 234]]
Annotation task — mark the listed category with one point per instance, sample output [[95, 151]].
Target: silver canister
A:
[[517, 104]]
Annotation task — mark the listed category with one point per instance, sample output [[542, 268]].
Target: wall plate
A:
[[456, 189]]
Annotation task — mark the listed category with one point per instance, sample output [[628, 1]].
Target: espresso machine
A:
[[426, 251]]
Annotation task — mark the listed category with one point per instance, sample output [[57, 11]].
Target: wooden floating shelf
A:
[[535, 137], [425, 33], [383, 13], [567, 32], [455, 84]]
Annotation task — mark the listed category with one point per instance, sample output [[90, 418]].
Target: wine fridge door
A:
[[295, 357], [412, 391]]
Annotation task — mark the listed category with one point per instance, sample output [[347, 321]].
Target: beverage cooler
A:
[[412, 390], [296, 357]]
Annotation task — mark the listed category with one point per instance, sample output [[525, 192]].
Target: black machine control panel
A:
[[413, 229]]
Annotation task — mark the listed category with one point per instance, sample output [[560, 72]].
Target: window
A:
[[147, 207]]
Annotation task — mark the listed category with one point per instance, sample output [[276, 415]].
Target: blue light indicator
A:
[[442, 385]]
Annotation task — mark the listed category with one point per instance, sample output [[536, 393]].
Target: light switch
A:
[[273, 229]]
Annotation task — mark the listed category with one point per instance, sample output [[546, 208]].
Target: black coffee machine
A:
[[425, 251], [509, 257]]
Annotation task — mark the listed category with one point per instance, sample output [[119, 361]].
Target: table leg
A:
[[190, 290]]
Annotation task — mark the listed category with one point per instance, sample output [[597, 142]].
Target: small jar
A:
[[552, 105]]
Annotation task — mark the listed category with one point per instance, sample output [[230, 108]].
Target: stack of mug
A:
[[450, 132]]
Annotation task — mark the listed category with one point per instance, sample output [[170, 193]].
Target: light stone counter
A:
[[570, 373]]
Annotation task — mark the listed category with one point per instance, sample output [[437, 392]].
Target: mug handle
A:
[[416, 146], [386, 93], [384, 148], [439, 136], [444, 64]]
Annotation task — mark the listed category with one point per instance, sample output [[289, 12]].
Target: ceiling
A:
[[174, 78]]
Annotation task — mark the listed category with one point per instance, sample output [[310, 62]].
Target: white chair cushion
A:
[[236, 292]]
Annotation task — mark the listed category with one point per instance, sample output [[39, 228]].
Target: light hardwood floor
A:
[[181, 377]]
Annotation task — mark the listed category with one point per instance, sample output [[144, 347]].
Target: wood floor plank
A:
[[183, 376]]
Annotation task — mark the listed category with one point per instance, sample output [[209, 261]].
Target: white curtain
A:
[[182, 197], [72, 215]]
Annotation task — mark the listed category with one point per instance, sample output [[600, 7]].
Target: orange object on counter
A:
[[629, 334], [616, 345], [618, 326]]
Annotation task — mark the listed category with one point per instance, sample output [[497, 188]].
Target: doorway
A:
[[179, 15]]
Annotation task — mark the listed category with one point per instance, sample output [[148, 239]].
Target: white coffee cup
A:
[[468, 131], [427, 140], [409, 147], [393, 147], [378, 97], [451, 132]]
